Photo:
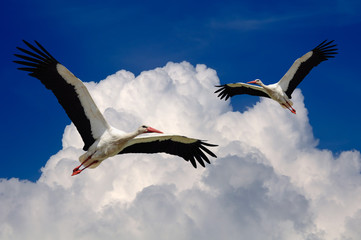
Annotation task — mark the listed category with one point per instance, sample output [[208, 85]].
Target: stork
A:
[[101, 140], [282, 90]]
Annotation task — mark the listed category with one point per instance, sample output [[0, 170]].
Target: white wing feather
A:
[[97, 121]]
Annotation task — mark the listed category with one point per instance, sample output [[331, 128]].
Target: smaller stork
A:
[[282, 90]]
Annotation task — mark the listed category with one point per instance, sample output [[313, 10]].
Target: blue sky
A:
[[241, 40]]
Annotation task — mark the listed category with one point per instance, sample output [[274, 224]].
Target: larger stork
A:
[[283, 89], [101, 140]]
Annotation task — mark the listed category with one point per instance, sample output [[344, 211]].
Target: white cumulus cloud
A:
[[270, 181]]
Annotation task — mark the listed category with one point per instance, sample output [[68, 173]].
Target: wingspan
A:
[[188, 148], [302, 66], [229, 90], [68, 89]]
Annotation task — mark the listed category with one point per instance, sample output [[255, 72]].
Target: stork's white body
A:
[[276, 92], [282, 90], [108, 145], [101, 140]]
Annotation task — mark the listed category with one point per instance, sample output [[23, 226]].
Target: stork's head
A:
[[147, 129], [257, 81]]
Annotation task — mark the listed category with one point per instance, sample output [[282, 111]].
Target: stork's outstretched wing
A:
[[188, 148], [229, 90], [68, 89], [303, 65]]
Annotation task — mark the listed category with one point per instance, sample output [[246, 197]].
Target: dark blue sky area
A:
[[242, 41]]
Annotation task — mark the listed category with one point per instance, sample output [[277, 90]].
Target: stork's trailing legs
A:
[[289, 107], [76, 170]]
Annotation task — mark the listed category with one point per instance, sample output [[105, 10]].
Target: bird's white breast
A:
[[109, 144]]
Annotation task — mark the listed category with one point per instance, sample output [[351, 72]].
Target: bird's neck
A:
[[132, 134], [121, 137], [262, 85]]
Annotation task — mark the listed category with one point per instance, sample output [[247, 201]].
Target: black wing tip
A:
[[325, 51], [223, 92], [200, 160], [27, 69], [326, 48], [203, 142], [220, 88], [35, 56], [29, 44], [193, 161], [42, 51], [26, 42], [199, 154], [325, 43]]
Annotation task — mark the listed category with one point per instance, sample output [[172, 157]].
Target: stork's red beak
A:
[[150, 129], [252, 82]]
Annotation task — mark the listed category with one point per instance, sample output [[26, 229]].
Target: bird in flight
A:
[[101, 140], [282, 90]]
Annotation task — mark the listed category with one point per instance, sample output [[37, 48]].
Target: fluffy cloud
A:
[[270, 181]]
